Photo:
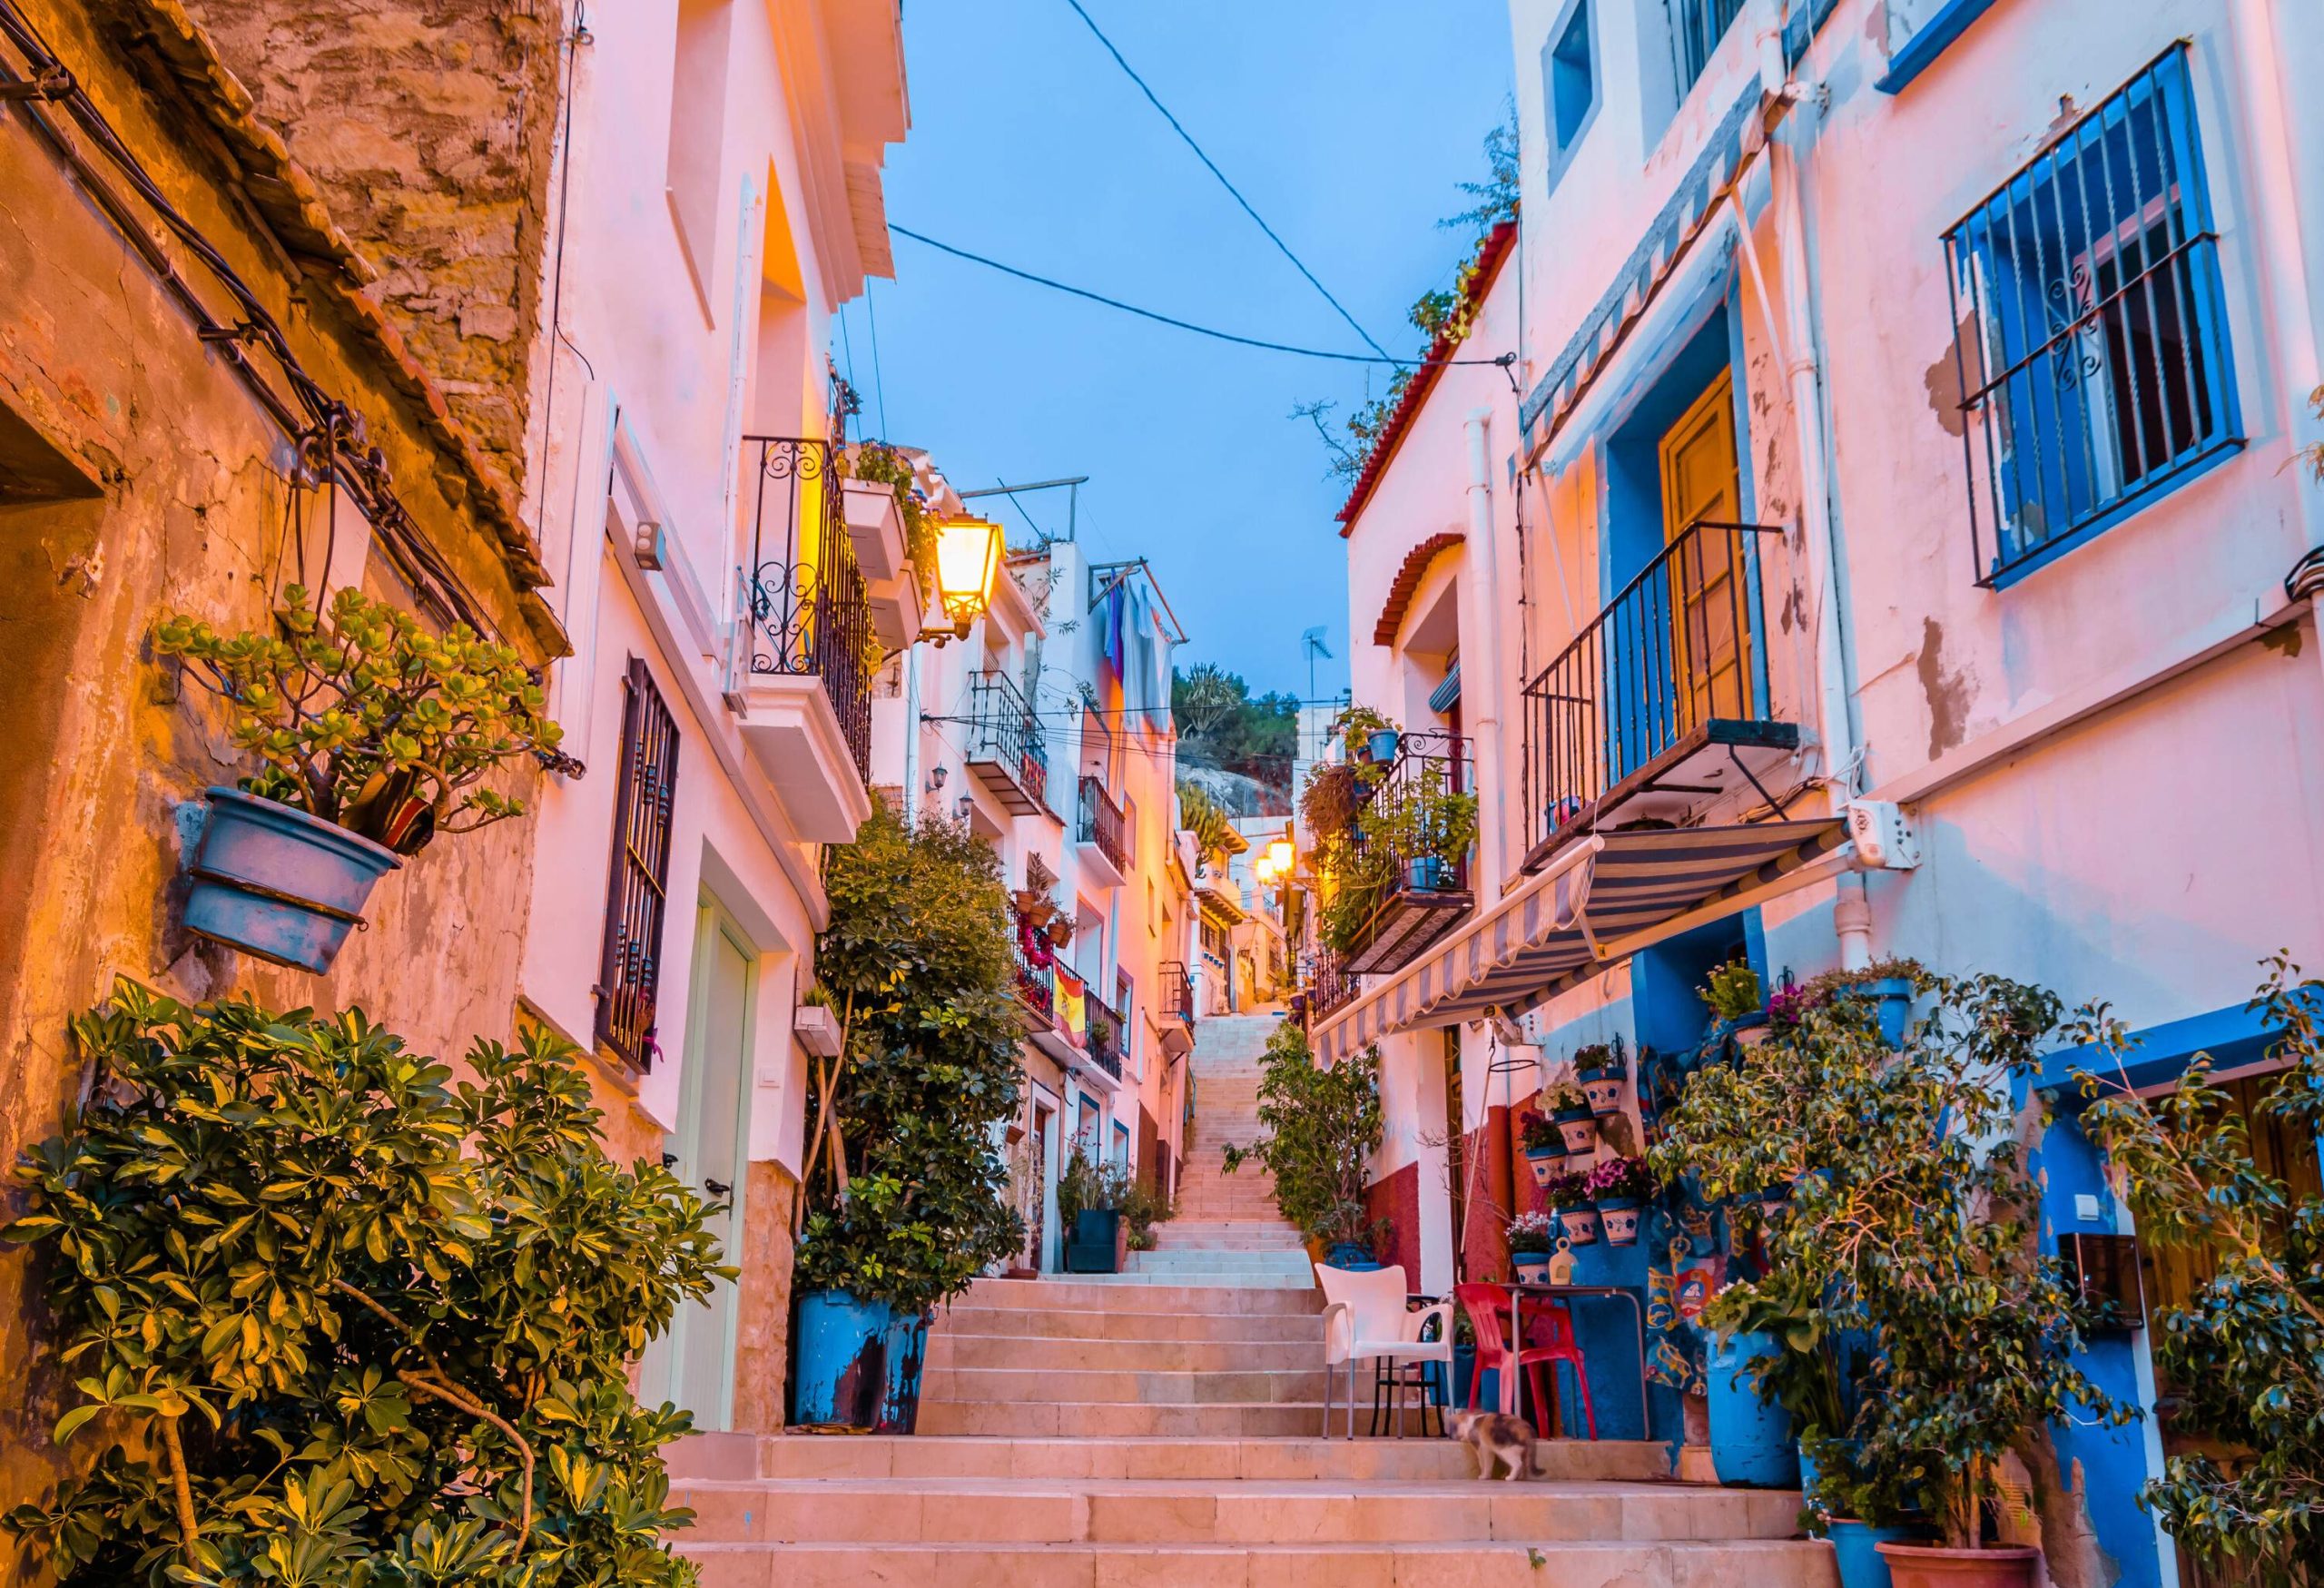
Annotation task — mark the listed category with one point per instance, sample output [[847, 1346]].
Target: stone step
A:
[[1052, 1294], [879, 1511], [1117, 1420], [1807, 1564], [1110, 1322], [1219, 1279], [1152, 1387], [1126, 1356], [1222, 1257], [736, 1456]]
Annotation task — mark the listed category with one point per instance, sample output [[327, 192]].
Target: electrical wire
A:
[[879, 381], [1225, 336], [1212, 166]]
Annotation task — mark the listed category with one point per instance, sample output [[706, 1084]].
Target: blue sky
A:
[[1346, 122]]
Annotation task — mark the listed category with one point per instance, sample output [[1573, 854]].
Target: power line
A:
[[1152, 99], [878, 380], [1226, 335]]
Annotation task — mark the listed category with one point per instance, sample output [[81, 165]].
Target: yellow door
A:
[[1710, 639]]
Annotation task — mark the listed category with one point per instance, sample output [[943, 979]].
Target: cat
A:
[[1497, 1437]]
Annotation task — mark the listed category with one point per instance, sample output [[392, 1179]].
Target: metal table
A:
[[1517, 1294]]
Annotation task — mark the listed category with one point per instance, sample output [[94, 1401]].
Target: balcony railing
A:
[[1101, 824], [1005, 745], [1108, 1040], [809, 615], [1177, 996], [1036, 970], [1659, 693], [1412, 843], [1329, 986]]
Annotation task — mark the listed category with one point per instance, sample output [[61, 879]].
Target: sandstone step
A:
[[878, 1511], [1212, 1257], [1210, 1277], [1048, 1294], [1126, 1356], [737, 1457], [1117, 1420], [1146, 1386], [1807, 1564], [1126, 1323]]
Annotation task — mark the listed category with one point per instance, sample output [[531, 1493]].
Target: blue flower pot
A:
[[1856, 1544], [1464, 1365], [279, 884], [905, 1339], [1752, 1445], [1352, 1256], [1893, 995], [839, 1361], [1382, 746], [1531, 1267], [1619, 1217], [1543, 1161]]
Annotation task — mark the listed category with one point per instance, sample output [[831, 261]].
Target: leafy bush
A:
[[1733, 992], [363, 718], [1322, 1127], [1145, 1208], [349, 1322], [2247, 1351], [907, 1183]]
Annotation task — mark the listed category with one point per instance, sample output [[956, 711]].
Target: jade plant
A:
[[338, 1318], [360, 717]]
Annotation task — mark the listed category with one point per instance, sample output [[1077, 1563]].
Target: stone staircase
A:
[[1143, 1429]]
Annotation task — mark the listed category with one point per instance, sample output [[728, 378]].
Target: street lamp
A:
[[1279, 856], [1262, 869], [968, 557]]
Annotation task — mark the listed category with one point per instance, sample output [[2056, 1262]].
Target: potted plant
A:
[[1370, 737], [1913, 1223], [1576, 1122], [1090, 1202], [1322, 1126], [1544, 1145], [1532, 1237], [373, 735], [1734, 997], [1567, 1194], [1620, 1188], [1603, 1068]]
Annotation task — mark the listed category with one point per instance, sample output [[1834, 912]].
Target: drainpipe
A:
[[1852, 911], [1482, 583]]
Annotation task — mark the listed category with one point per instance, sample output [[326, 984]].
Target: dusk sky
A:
[[1347, 125]]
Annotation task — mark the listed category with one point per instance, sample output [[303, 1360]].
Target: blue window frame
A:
[[2091, 339], [1569, 80], [1696, 28]]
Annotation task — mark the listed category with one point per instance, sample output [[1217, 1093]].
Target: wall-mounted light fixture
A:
[[646, 549], [968, 560]]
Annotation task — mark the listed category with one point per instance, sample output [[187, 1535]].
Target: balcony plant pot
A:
[[875, 526], [1619, 1218], [1602, 1085], [839, 1360], [1352, 1255], [1380, 745], [1427, 874], [1531, 1267], [906, 1342], [1580, 1129], [1929, 1565], [899, 607], [1544, 1161], [1752, 1442], [279, 884], [1100, 1242], [1893, 995], [1581, 1224]]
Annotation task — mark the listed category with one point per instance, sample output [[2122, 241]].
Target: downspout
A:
[[1481, 581], [1843, 752]]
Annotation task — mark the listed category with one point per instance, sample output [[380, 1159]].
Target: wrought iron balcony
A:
[[810, 614], [1102, 828], [1177, 1001], [1327, 984], [1414, 843], [1036, 972], [1662, 701], [1005, 745], [1108, 1041]]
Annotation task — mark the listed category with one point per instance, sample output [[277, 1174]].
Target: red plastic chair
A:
[[1551, 1328]]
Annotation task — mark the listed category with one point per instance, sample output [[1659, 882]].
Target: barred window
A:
[[1696, 28], [2091, 341], [636, 896]]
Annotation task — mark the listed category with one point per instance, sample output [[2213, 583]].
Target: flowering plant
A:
[[1533, 1232], [1571, 1189], [1624, 1178], [1564, 1097], [1540, 1131], [1599, 1055], [1789, 1007]]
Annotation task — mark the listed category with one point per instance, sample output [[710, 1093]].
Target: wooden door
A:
[[1710, 642]]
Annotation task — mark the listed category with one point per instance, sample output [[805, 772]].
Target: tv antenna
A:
[[1312, 645]]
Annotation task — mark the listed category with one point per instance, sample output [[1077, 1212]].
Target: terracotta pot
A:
[[1928, 1565]]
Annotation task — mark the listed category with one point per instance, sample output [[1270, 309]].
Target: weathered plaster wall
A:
[[429, 125]]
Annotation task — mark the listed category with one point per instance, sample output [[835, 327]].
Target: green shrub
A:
[[350, 1322], [1322, 1127]]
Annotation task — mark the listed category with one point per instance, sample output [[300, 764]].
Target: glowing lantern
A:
[[967, 558]]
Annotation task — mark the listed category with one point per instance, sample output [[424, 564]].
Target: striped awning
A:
[[1568, 922]]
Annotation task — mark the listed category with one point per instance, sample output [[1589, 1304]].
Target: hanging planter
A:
[[1580, 1224], [1531, 1267], [1603, 1074], [1580, 1129], [1530, 1238], [1620, 1186], [1544, 1145], [1379, 746], [1619, 1215], [278, 883]]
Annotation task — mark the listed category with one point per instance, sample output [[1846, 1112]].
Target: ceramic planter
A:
[[1580, 1224], [1580, 1129], [1531, 1267], [1100, 1241], [838, 1365], [1426, 873], [1894, 994], [898, 608], [1751, 1036], [1928, 1565], [875, 526], [1381, 747], [1856, 1548], [1752, 1444], [1619, 1217], [1352, 1255], [280, 884], [1544, 1161], [1604, 1087]]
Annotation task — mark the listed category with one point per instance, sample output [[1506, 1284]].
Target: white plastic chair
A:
[[1364, 1320]]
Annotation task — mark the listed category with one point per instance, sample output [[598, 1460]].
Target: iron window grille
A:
[[2090, 336], [636, 899], [811, 613], [1696, 28]]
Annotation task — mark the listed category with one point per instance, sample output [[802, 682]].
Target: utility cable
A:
[[1503, 361], [1211, 165]]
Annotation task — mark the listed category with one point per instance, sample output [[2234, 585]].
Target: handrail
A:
[[1680, 644], [810, 613]]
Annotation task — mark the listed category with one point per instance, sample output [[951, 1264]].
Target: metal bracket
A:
[[1735, 756], [48, 82]]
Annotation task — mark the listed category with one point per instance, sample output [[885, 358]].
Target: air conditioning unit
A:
[[1885, 836]]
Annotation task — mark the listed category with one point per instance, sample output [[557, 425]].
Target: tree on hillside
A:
[[1221, 724]]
